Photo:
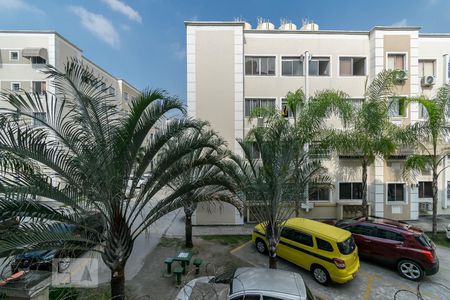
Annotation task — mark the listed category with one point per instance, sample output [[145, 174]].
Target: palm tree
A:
[[86, 157], [218, 187], [370, 134], [430, 137]]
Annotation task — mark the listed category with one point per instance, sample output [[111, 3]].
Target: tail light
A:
[[340, 264], [429, 255]]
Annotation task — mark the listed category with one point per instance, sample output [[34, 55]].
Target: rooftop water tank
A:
[[264, 25], [247, 26], [287, 26], [309, 26]]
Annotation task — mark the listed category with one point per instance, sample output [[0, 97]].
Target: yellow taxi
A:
[[330, 253]]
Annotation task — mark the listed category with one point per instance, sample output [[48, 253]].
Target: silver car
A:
[[248, 284]]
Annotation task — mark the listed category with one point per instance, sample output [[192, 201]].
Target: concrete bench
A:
[[168, 261], [178, 271], [197, 263]]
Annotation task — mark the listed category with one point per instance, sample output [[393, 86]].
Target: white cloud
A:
[[402, 22], [124, 9], [98, 25], [19, 5]]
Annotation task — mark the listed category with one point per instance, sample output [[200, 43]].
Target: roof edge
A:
[[214, 23], [43, 32]]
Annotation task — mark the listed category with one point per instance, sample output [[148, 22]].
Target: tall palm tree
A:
[[430, 137], [86, 157], [218, 187], [370, 134]]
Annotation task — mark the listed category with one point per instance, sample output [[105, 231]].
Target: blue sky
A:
[[143, 41]]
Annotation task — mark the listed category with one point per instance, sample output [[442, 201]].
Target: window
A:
[[396, 192], [254, 151], [15, 86], [112, 91], [388, 235], [39, 87], [348, 246], [350, 190], [126, 96], [14, 55], [352, 66], [423, 114], [271, 298], [260, 65], [291, 66], [38, 60], [39, 118], [297, 236], [356, 102], [251, 104], [247, 297], [396, 107], [425, 189], [287, 113], [396, 62], [318, 151], [363, 230], [319, 193], [324, 245], [319, 66], [426, 68]]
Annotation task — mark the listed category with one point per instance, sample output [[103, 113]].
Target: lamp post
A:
[[306, 59]]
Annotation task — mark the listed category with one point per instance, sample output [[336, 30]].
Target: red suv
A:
[[395, 243]]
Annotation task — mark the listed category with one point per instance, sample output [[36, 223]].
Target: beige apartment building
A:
[[232, 68], [23, 54]]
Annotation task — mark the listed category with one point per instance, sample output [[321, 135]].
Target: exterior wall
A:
[[203, 79], [215, 92]]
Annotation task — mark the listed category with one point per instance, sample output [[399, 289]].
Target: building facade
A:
[[23, 54], [232, 68]]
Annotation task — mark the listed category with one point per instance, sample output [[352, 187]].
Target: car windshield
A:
[[347, 246], [224, 278], [424, 240]]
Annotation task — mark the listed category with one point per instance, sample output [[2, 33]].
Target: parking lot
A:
[[372, 281]]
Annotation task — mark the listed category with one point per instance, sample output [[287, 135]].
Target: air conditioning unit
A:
[[428, 80], [401, 75], [425, 206]]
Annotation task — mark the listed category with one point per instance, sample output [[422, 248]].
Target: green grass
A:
[[440, 239], [231, 240]]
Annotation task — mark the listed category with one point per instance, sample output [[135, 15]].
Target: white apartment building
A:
[[232, 68], [23, 54]]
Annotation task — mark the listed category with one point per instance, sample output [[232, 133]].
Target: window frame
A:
[[433, 60], [321, 200], [405, 62], [405, 193], [351, 199], [16, 82], [366, 70], [39, 81], [318, 57], [406, 115], [259, 56], [418, 189], [326, 250], [14, 51], [36, 122], [33, 58], [302, 61], [275, 99]]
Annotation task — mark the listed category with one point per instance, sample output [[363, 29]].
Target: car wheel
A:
[[410, 270], [261, 246], [320, 274]]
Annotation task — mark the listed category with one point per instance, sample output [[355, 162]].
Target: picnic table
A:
[[184, 257]]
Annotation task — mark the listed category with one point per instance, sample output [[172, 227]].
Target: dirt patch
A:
[[150, 282]]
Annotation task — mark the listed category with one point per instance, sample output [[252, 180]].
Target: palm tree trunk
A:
[[364, 189], [272, 254], [297, 209], [435, 201], [118, 283], [188, 231]]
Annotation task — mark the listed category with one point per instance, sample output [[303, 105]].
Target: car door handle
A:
[[367, 241]]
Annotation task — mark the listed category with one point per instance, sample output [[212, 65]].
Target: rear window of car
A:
[[424, 240], [347, 246], [324, 245]]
